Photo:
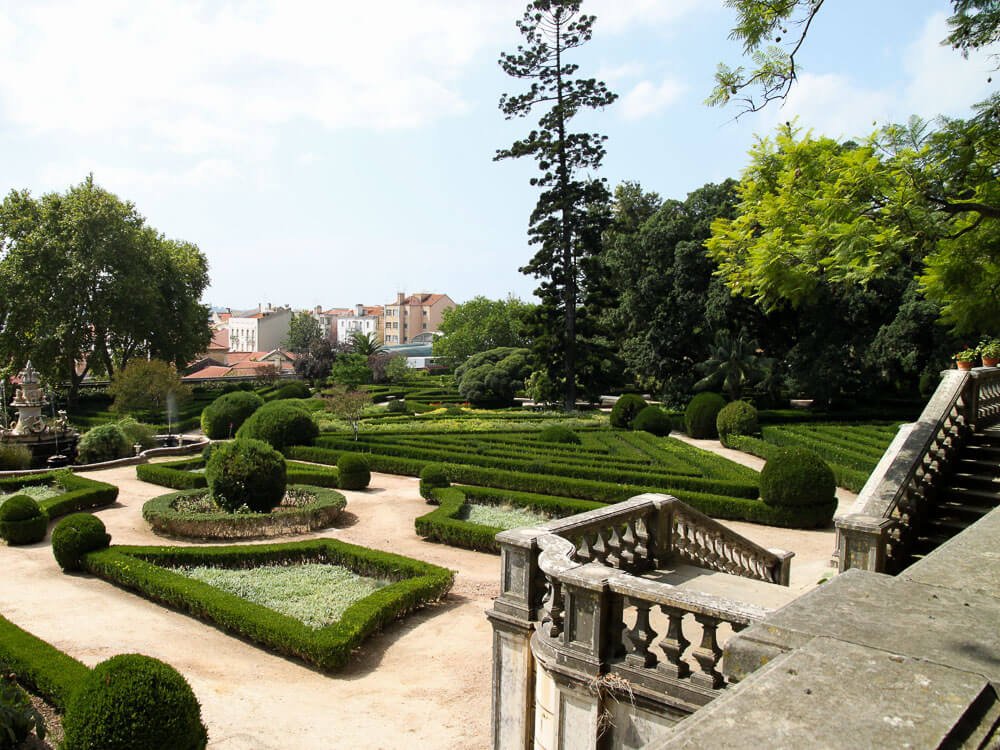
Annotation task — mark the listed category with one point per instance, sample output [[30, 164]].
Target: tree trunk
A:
[[569, 268]]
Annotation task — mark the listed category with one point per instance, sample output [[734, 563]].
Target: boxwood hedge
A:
[[146, 571], [79, 493], [180, 475], [40, 666]]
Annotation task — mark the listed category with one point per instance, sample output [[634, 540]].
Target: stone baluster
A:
[[674, 644], [707, 654], [553, 619], [640, 636], [628, 543], [613, 558]]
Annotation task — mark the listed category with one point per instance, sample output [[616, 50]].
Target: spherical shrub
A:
[[701, 413], [224, 416], [396, 406], [14, 457], [293, 389], [105, 442], [736, 418], [76, 535], [280, 423], [134, 702], [556, 433], [246, 472], [431, 476], [626, 409], [22, 521], [654, 420], [797, 477], [353, 470]]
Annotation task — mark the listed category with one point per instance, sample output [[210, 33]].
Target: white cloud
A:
[[616, 16], [647, 98], [136, 183], [618, 73]]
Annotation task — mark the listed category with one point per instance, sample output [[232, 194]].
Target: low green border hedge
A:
[[845, 476], [80, 493], [40, 666], [320, 513], [177, 475], [145, 570], [443, 524]]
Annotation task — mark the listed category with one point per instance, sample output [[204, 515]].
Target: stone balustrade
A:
[[877, 532]]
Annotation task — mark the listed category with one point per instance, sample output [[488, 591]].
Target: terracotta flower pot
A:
[[990, 361], [963, 365]]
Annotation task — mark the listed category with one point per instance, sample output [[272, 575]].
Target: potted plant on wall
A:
[[990, 352], [965, 359]]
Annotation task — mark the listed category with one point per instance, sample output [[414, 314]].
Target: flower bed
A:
[[149, 571], [193, 515], [75, 493], [189, 474]]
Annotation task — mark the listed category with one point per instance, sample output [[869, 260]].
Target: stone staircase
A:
[[969, 491]]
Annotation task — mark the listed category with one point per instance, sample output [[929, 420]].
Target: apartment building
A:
[[412, 315], [364, 320], [262, 331]]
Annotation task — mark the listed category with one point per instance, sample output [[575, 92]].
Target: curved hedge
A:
[[40, 666], [224, 416], [161, 514], [246, 473], [22, 521], [134, 702], [432, 476], [626, 409], [179, 475], [701, 413], [76, 535], [146, 570], [736, 418], [653, 420], [80, 493], [280, 424]]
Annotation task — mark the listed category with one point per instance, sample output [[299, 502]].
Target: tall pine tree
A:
[[572, 210]]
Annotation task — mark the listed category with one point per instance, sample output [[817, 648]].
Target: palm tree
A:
[[733, 364], [366, 344]]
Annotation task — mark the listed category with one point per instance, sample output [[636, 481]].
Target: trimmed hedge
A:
[[134, 702], [76, 535], [653, 420], [701, 413], [224, 416], [626, 409], [146, 570], [797, 477], [445, 525], [79, 493], [178, 475], [22, 521], [432, 476], [556, 433], [293, 389], [280, 423], [40, 666], [355, 473], [166, 520], [736, 418], [246, 472]]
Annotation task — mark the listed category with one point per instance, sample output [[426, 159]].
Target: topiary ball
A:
[[22, 521], [353, 470], [701, 413], [280, 424], [76, 535], [797, 477], [736, 418], [626, 409], [556, 433], [224, 416], [431, 476], [134, 702], [246, 472], [654, 420]]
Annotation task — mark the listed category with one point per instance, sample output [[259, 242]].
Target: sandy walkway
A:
[[423, 682]]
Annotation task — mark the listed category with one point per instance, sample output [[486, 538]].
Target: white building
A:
[[365, 320], [263, 331]]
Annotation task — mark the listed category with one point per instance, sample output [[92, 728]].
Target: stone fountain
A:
[[53, 440]]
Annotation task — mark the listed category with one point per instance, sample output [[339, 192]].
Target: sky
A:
[[334, 153]]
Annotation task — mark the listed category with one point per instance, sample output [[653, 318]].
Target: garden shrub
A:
[[293, 389], [653, 420], [280, 424], [76, 535], [17, 716], [246, 472], [78, 493], [14, 457], [797, 476], [556, 433], [137, 432], [22, 521], [736, 418], [134, 702], [626, 409], [396, 406], [432, 476], [224, 416], [493, 377], [355, 473], [701, 413], [40, 666], [105, 442]]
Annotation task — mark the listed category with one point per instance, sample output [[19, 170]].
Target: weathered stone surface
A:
[[832, 694]]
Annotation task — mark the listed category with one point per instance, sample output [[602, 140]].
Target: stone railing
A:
[[877, 533], [576, 587]]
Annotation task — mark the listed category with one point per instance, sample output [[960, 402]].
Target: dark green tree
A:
[[481, 324], [568, 219], [367, 344], [303, 332]]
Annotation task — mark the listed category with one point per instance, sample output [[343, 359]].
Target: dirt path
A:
[[423, 682]]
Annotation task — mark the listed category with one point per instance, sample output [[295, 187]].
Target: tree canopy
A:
[[304, 332], [86, 285], [481, 324]]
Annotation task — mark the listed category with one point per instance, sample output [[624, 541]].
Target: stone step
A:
[[945, 526], [970, 513], [971, 496], [974, 481], [978, 466], [982, 452]]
